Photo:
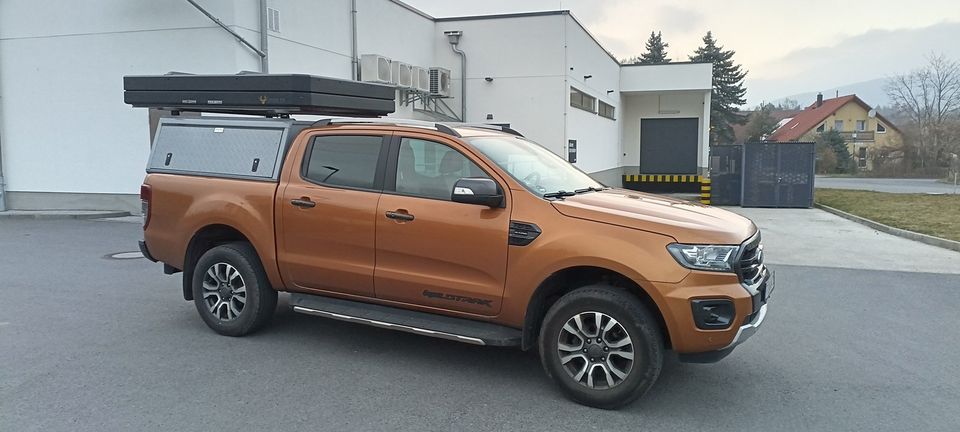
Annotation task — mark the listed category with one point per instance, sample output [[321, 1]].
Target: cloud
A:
[[678, 20], [873, 54]]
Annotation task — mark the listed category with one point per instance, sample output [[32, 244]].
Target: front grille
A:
[[750, 268]]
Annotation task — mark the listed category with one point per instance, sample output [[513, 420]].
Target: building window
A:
[[606, 110], [579, 99], [861, 125], [881, 128], [821, 127], [838, 125]]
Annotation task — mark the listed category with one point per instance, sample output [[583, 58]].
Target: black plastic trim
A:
[[523, 233], [145, 251]]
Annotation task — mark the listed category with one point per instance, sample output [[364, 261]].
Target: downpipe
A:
[[354, 57], [264, 62], [453, 37]]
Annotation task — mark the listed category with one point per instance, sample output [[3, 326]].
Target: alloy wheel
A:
[[224, 291], [595, 350]]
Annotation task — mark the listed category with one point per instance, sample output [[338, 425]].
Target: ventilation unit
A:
[[375, 68], [440, 81], [402, 74], [421, 79]]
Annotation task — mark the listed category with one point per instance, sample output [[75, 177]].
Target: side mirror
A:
[[480, 191]]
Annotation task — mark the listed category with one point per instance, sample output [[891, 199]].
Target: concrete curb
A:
[[60, 214], [915, 236]]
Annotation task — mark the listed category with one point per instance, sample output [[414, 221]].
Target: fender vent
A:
[[523, 233]]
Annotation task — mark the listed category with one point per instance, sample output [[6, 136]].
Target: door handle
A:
[[406, 217], [303, 203]]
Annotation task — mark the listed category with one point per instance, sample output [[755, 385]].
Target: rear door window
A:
[[349, 161]]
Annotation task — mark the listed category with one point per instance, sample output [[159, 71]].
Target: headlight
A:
[[704, 257]]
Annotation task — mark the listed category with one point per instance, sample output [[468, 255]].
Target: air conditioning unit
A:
[[375, 68], [440, 81], [421, 79], [402, 74]]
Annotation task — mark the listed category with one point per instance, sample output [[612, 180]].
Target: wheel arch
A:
[[204, 239], [570, 278]]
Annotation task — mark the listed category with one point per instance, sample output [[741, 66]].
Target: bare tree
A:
[[930, 99]]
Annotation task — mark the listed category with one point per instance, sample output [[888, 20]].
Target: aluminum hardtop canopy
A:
[[268, 95]]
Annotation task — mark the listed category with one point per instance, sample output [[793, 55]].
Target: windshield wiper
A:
[[558, 194], [587, 189]]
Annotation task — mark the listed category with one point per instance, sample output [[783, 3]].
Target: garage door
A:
[[668, 146]]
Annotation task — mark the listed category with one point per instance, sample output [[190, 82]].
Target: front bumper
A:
[[743, 333]]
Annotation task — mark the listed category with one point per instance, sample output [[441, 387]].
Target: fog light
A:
[[712, 314]]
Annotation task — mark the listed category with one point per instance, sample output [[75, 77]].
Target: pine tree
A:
[[728, 90], [656, 50]]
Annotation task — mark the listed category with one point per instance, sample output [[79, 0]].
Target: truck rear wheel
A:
[[231, 290], [602, 346]]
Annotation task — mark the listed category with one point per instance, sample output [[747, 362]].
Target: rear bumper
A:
[[145, 251]]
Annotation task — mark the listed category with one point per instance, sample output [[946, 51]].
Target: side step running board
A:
[[438, 326]]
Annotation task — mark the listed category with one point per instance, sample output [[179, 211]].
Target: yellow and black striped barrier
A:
[[670, 183], [705, 191], [661, 178]]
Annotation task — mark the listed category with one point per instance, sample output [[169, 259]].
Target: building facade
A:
[[67, 140], [867, 133]]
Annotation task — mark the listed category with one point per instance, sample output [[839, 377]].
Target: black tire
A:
[[635, 321], [260, 297]]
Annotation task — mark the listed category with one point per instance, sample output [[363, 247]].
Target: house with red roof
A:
[[866, 132]]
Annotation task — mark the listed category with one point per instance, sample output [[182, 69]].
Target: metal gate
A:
[[725, 174], [778, 174]]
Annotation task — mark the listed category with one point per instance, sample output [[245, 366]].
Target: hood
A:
[[685, 221]]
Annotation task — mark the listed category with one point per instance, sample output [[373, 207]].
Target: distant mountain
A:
[[871, 92]]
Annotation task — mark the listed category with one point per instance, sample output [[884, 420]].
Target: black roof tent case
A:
[[259, 94]]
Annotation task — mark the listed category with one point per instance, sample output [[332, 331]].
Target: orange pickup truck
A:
[[465, 232]]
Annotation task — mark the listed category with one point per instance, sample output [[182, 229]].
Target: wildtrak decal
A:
[[462, 299]]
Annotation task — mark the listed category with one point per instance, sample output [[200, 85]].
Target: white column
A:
[[704, 158]]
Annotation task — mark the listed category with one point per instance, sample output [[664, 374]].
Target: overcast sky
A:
[[789, 47]]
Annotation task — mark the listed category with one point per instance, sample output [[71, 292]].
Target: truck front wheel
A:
[[231, 290], [602, 346]]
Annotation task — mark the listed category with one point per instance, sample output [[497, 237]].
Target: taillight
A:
[[146, 196]]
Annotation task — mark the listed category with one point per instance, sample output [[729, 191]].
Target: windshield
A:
[[538, 169]]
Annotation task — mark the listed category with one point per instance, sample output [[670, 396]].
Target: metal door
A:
[[778, 174], [725, 174], [669, 146]]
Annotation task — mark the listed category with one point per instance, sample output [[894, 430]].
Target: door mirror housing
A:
[[479, 191]]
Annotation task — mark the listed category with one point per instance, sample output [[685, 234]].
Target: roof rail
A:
[[399, 122], [496, 127], [447, 128]]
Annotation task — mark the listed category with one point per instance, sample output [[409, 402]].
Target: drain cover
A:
[[125, 255]]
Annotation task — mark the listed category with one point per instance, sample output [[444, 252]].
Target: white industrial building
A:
[[67, 140]]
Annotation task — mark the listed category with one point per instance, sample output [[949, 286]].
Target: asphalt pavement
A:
[[89, 343], [891, 185]]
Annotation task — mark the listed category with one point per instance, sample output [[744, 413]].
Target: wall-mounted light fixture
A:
[[488, 79], [609, 91], [586, 77], [489, 116]]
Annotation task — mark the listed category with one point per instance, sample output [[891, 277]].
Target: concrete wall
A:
[[64, 126], [598, 138], [524, 56], [69, 141]]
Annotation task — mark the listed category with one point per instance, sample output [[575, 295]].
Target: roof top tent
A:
[[269, 95]]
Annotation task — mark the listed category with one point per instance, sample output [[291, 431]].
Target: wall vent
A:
[[273, 20]]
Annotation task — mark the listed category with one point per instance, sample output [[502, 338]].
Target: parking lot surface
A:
[[89, 343]]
